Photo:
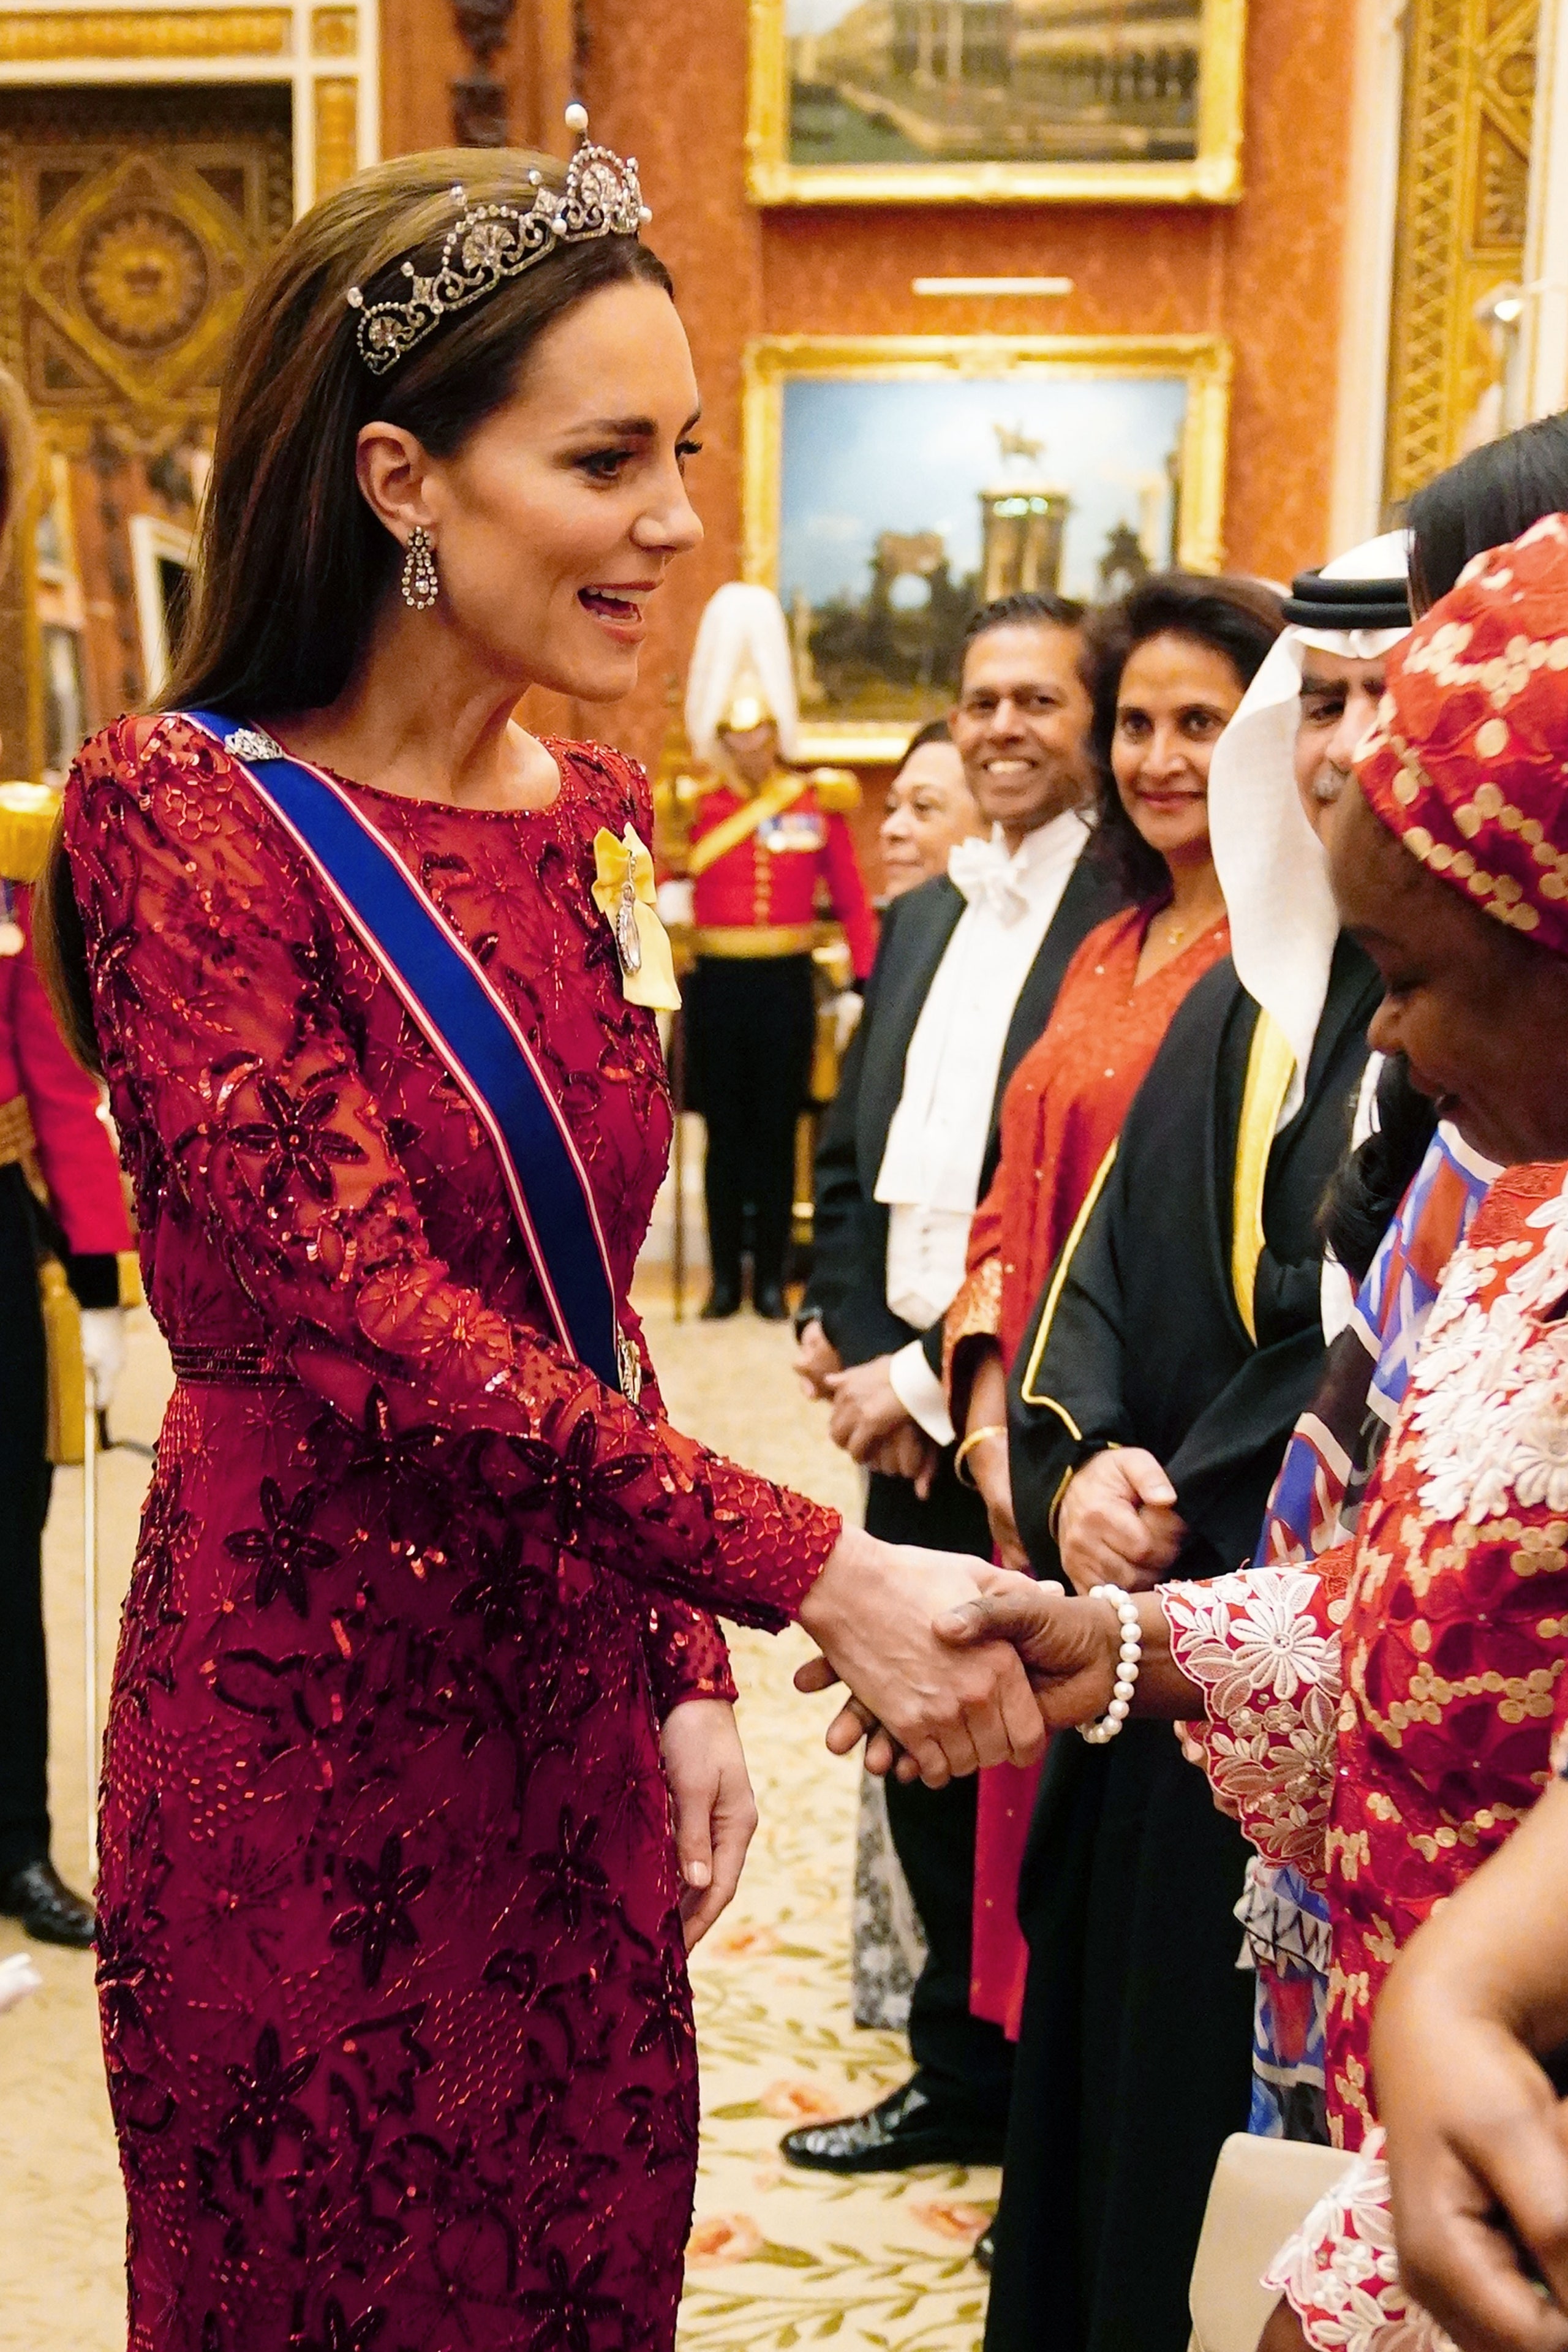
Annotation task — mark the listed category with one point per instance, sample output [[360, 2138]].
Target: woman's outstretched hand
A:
[[713, 1808], [871, 1613], [1068, 1646]]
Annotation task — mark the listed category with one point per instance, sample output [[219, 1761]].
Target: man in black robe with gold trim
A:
[[1173, 1346]]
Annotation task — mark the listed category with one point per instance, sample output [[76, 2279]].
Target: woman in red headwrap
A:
[[1383, 1720]]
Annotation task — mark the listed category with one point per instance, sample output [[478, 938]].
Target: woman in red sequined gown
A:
[[415, 1658]]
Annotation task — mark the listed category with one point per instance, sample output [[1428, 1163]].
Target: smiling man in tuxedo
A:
[[964, 982]]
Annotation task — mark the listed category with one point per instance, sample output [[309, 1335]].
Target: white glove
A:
[[675, 901], [19, 1978], [103, 1347], [845, 1008]]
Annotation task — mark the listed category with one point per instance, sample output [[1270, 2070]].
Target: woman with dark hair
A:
[[1385, 1718], [416, 1668], [1485, 501], [930, 810], [1167, 669]]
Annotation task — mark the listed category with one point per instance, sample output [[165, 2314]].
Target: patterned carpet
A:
[[778, 2258]]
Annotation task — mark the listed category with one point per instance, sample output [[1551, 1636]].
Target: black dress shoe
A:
[[40, 1898], [769, 1304], [901, 2130], [723, 1301], [986, 2248]]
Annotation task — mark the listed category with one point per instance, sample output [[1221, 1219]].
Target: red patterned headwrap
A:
[[1469, 760]]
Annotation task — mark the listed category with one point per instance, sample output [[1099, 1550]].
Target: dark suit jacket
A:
[[848, 1285]]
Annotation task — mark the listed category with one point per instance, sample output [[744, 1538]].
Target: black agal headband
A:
[[1319, 603]]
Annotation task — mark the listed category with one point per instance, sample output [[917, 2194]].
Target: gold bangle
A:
[[975, 1437]]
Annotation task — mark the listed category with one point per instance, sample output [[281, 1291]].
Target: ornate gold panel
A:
[[132, 224], [334, 32], [1463, 185], [42, 37], [337, 134]]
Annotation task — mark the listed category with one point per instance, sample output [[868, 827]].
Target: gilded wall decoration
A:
[[1463, 192], [933, 101], [45, 36], [132, 224], [334, 32], [337, 133]]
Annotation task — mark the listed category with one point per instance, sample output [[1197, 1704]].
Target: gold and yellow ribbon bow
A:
[[624, 894]]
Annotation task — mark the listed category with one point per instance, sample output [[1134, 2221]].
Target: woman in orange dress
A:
[[1169, 664]]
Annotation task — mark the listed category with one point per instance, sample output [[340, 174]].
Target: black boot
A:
[[769, 1304], [723, 1301], [38, 1896]]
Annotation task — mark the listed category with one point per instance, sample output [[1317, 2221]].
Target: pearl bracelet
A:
[[1128, 1662]]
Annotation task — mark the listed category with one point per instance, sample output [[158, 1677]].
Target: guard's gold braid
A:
[[731, 831]]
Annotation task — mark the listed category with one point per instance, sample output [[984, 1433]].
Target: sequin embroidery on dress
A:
[[392, 1980]]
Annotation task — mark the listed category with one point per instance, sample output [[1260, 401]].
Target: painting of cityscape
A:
[[996, 97], [901, 502]]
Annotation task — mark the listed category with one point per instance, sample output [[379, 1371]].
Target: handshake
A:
[[951, 1663]]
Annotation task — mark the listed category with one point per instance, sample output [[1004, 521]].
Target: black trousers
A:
[[962, 2063], [24, 1506], [749, 1033], [1135, 2059]]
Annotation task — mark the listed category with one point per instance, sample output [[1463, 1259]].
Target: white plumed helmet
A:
[[742, 670]]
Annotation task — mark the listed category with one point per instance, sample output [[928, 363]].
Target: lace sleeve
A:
[[1262, 1646], [1340, 2273], [265, 1132]]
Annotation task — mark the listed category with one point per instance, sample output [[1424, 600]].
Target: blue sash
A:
[[471, 1030]]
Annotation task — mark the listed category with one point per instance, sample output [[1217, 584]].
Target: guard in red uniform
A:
[[59, 1189], [765, 853]]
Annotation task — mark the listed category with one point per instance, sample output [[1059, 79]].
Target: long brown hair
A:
[[291, 564]]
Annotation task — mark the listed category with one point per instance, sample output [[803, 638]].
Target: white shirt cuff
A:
[[921, 1393]]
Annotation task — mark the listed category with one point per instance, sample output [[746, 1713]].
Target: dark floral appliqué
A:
[[380, 1918], [293, 1138], [571, 1485], [574, 1877], [568, 2307], [265, 2105], [284, 1549]]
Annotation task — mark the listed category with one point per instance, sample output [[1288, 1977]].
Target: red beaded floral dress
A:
[[392, 1987], [1383, 1719]]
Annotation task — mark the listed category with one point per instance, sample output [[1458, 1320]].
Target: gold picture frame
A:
[[1169, 87], [889, 498]]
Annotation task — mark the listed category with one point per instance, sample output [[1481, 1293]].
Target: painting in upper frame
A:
[[930, 101], [893, 483]]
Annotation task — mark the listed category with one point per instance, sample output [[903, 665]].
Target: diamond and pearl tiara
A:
[[489, 243]]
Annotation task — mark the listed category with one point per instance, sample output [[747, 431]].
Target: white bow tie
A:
[[984, 871]]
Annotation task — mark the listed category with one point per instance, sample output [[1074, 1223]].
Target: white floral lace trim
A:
[[1255, 1643], [1340, 2273], [1490, 1391]]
